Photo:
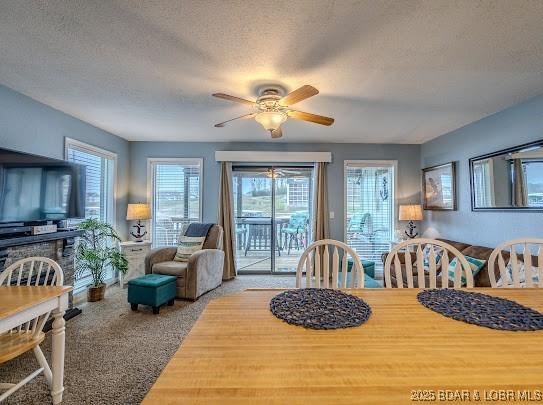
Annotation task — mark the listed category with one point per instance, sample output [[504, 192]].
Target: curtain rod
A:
[[275, 157]]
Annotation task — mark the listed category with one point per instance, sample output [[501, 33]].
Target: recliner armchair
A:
[[202, 273]]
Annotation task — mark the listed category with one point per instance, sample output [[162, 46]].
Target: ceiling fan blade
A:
[[278, 133], [317, 119], [298, 95], [233, 98], [221, 124]]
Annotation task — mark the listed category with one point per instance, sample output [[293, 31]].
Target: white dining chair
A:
[[434, 260], [32, 271], [315, 260], [522, 268]]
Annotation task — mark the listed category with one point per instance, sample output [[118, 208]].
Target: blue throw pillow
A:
[[475, 264], [438, 252]]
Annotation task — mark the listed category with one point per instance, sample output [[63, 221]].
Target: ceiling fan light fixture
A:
[[272, 108], [271, 120]]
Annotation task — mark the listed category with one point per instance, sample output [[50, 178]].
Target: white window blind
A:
[[175, 197], [100, 188], [99, 183], [369, 208]]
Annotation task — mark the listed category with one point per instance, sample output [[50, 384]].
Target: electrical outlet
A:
[[332, 214]]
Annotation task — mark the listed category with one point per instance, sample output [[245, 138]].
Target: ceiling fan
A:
[[273, 108]]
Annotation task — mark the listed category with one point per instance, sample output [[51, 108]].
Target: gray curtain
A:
[[520, 194], [226, 220], [320, 204]]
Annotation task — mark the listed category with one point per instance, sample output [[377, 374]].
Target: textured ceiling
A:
[[388, 71]]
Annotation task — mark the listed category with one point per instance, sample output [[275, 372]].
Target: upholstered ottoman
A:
[[369, 273], [153, 290], [369, 266]]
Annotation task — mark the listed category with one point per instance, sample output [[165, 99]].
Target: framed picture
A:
[[439, 187]]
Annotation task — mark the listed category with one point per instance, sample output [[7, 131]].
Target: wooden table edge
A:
[[53, 292]]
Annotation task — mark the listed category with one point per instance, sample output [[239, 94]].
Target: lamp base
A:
[[139, 234], [411, 230]]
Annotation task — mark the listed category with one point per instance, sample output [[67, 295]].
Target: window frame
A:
[[151, 164], [70, 143], [372, 163], [103, 153]]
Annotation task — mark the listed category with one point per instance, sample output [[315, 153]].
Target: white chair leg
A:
[[14, 387], [43, 363], [57, 356]]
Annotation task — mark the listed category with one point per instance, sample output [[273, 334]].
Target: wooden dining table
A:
[[20, 304], [239, 353]]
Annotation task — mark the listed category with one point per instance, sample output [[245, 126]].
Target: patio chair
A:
[[296, 227], [358, 222]]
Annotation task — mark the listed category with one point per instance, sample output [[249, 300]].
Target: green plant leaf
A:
[[97, 250]]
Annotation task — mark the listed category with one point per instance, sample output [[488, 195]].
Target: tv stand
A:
[[13, 240], [14, 229]]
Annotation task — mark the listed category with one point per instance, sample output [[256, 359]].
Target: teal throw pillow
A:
[[475, 264]]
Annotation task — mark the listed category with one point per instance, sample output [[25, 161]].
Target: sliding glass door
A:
[[292, 215], [253, 207], [272, 207]]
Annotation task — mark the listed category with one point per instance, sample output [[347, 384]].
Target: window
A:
[[369, 207], [483, 177], [175, 197], [298, 192], [100, 186], [533, 177]]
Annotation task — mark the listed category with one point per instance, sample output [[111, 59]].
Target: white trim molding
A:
[[86, 147], [269, 157]]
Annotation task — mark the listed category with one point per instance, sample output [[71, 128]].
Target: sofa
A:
[[481, 279], [202, 273]]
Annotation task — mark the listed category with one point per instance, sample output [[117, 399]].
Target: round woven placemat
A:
[[320, 308], [481, 309]]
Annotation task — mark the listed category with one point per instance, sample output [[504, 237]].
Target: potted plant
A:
[[96, 252]]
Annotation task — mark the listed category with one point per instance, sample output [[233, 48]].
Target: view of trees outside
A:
[[292, 194], [254, 210]]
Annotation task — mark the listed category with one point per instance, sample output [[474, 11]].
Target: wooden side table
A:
[[135, 253]]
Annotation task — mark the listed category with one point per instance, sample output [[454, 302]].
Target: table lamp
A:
[[411, 213], [138, 212]]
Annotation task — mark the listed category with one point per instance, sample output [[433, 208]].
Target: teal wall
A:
[[517, 125], [408, 157], [29, 126]]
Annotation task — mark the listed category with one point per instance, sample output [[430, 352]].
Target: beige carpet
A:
[[114, 355]]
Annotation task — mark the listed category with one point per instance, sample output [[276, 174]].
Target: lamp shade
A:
[[271, 120], [138, 211], [410, 212]]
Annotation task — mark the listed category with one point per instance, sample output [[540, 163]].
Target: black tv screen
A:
[[35, 188]]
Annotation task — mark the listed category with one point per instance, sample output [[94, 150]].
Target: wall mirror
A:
[[510, 179]]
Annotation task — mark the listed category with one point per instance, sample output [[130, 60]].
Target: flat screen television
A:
[[36, 189]]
